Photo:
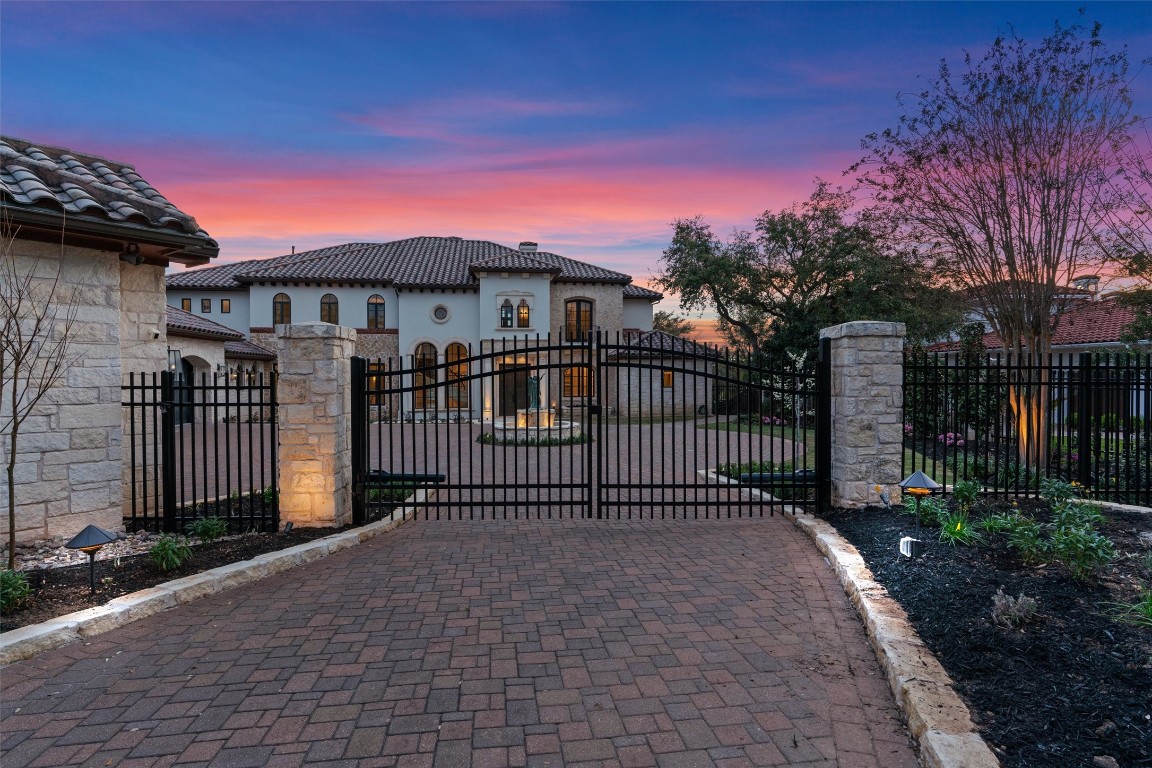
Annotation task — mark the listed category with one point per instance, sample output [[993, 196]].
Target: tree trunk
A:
[[1028, 398]]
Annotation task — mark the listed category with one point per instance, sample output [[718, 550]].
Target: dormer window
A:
[[523, 314], [506, 314]]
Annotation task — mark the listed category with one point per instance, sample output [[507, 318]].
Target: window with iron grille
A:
[[506, 314], [523, 314]]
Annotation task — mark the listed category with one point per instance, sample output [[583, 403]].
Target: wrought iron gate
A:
[[621, 426]]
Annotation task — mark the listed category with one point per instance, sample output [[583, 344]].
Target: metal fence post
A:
[[168, 449], [1084, 418], [359, 435], [824, 427]]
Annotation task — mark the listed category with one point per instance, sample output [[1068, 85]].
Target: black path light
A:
[[919, 485], [89, 541]]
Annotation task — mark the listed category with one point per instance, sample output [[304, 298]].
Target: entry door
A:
[[513, 390]]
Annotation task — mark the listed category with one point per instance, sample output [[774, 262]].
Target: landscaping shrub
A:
[[955, 528], [208, 529], [1011, 612], [169, 552], [14, 590]]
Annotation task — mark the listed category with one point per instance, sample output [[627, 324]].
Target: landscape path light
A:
[[919, 485], [89, 541]]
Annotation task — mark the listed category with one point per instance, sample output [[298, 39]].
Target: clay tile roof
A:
[[514, 262], [247, 350], [417, 262], [56, 180], [659, 343], [181, 323], [1087, 323], [639, 292]]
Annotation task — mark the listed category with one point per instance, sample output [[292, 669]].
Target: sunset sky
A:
[[586, 127]]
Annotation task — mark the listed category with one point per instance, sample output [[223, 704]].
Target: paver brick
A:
[[519, 643]]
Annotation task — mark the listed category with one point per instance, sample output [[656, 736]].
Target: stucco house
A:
[[108, 235], [431, 301]]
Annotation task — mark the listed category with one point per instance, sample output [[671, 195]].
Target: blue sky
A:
[[586, 127]]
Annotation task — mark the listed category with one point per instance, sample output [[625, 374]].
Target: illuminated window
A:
[[186, 305], [424, 379], [329, 309], [456, 356], [667, 375], [577, 319], [206, 306], [577, 382], [225, 306], [376, 312], [281, 309], [523, 314], [506, 314]]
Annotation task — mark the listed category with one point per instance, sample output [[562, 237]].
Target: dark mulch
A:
[[58, 591], [1074, 684]]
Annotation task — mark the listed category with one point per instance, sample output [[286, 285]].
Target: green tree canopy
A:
[[810, 266], [670, 323]]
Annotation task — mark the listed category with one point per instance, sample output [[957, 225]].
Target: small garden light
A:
[[919, 485], [89, 541]]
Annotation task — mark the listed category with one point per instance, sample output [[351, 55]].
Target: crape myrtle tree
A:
[[37, 318], [1008, 171], [810, 266]]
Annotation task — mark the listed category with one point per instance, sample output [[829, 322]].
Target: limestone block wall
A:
[[374, 345], [607, 304], [637, 391], [867, 406], [314, 392], [68, 456]]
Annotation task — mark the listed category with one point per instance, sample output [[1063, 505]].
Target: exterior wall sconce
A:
[[173, 361], [919, 485], [89, 541], [131, 255]]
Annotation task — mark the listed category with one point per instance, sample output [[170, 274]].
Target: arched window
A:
[[506, 314], [456, 356], [577, 319], [329, 309], [523, 314], [376, 312], [577, 382], [424, 378], [281, 309]]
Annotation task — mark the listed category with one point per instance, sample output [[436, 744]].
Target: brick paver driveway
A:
[[655, 643]]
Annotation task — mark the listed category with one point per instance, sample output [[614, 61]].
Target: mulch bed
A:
[[59, 591], [1074, 684]]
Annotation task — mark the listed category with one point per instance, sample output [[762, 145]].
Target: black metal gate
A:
[[620, 426]]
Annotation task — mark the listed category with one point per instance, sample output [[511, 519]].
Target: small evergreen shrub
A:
[[14, 590], [208, 529], [170, 552]]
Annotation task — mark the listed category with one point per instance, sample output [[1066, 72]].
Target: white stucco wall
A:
[[496, 286], [638, 314], [239, 319], [306, 304]]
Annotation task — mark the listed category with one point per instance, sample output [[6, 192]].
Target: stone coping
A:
[[26, 642], [937, 718]]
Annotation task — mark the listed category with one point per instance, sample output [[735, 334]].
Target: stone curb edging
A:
[[26, 642], [937, 718]]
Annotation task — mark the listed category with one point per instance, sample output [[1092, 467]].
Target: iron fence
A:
[[200, 449], [1008, 422]]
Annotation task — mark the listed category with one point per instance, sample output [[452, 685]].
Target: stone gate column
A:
[[867, 410], [315, 396]]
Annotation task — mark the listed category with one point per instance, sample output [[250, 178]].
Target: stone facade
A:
[[867, 408], [315, 395], [637, 390], [607, 304], [375, 345], [69, 466]]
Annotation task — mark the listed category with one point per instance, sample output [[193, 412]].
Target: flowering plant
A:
[[950, 439]]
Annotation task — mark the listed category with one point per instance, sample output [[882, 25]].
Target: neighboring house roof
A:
[[247, 350], [1084, 324], [639, 292], [662, 344], [417, 262], [54, 188], [188, 325]]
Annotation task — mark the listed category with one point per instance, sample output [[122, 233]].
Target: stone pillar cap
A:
[[864, 328], [315, 330]]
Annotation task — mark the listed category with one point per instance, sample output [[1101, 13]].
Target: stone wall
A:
[[374, 345], [607, 304], [68, 466], [315, 397], [640, 391], [867, 407]]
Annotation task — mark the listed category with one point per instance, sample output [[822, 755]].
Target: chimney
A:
[[528, 246]]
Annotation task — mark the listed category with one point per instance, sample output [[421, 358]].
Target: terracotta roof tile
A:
[[181, 323], [59, 180], [1091, 322], [659, 343], [514, 262], [639, 292]]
